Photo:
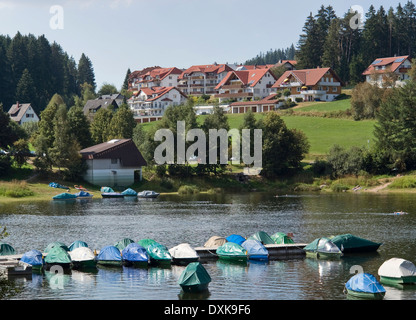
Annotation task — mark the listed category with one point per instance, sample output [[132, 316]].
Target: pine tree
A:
[[79, 126], [309, 49], [86, 72], [122, 123], [25, 90]]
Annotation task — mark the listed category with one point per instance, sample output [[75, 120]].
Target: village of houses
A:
[[236, 88]]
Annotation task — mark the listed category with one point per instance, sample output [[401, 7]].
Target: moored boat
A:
[[236, 238], [65, 196], [159, 254], [364, 286], [215, 242], [135, 255], [108, 192], [33, 258], [82, 258], [322, 248], [263, 237], [55, 244], [109, 256], [397, 271], [77, 244], [281, 238], [183, 254], [57, 255], [232, 252], [194, 278], [123, 243], [148, 194], [6, 249], [84, 195], [255, 250], [349, 243], [129, 193]]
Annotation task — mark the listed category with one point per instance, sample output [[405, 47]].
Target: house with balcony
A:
[[136, 75], [149, 104], [320, 84], [202, 79], [158, 77], [270, 103], [388, 72], [243, 85]]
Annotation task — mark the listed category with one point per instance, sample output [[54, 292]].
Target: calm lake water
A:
[[174, 219]]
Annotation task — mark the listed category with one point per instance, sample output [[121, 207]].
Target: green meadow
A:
[[322, 132]]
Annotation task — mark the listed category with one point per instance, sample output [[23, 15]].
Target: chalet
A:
[[92, 106], [320, 84], [134, 77], [202, 79], [119, 98], [158, 77], [113, 163], [388, 72], [270, 103], [246, 85], [22, 113], [149, 104], [288, 64]]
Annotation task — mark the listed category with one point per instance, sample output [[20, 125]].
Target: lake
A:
[[174, 219]]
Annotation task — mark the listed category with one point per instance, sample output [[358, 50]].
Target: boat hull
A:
[[184, 261], [85, 264], [195, 288], [233, 258], [365, 295], [136, 264], [112, 195], [399, 280], [323, 255], [258, 257], [110, 263]]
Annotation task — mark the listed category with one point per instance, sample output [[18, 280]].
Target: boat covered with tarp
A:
[[263, 237], [64, 196], [159, 254], [55, 244], [281, 238], [232, 252], [34, 258], [183, 254], [135, 255], [236, 238], [148, 194], [123, 243], [255, 250], [57, 185], [397, 271], [84, 195], [364, 286], [109, 256], [129, 193], [57, 255], [77, 244], [6, 249], [82, 257], [215, 242], [194, 278], [146, 242], [323, 248], [108, 192], [349, 243]]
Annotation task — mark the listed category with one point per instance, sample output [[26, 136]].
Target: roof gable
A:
[[307, 77], [390, 63]]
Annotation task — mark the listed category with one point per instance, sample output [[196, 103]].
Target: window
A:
[[114, 161], [334, 89]]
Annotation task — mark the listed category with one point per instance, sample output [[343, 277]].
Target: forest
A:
[[32, 70], [328, 40]]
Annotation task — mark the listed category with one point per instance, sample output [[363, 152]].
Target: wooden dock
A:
[[276, 251], [10, 266]]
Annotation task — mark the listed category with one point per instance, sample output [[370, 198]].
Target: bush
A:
[[337, 187], [15, 189], [299, 99], [188, 189], [403, 183], [166, 183]]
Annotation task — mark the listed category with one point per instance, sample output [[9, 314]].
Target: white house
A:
[[113, 163], [149, 104], [22, 113], [388, 71], [158, 77], [246, 85], [202, 79]]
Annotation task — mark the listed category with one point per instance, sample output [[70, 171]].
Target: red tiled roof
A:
[[307, 77], [161, 72], [209, 68], [158, 92], [391, 64], [247, 77]]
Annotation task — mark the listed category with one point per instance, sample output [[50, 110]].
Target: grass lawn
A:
[[338, 105]]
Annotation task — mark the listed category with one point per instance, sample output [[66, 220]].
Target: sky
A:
[[121, 34]]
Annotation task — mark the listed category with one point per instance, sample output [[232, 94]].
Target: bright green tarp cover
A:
[[322, 245], [231, 249], [58, 254], [281, 238], [158, 251], [146, 242], [194, 274], [6, 249], [263, 237], [123, 243]]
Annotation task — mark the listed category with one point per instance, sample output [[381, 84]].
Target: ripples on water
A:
[[171, 220]]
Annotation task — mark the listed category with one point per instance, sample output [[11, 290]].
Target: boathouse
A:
[[113, 163]]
